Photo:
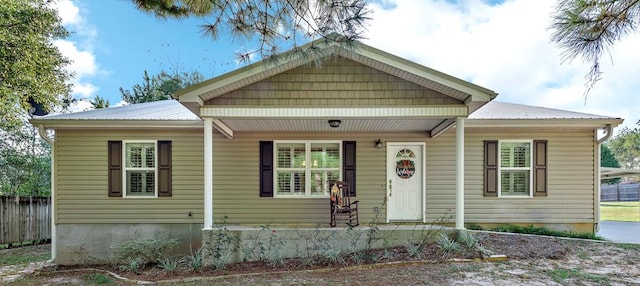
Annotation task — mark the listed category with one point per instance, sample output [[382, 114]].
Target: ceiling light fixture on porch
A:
[[334, 123], [378, 144]]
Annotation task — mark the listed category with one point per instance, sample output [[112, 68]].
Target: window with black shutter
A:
[[139, 169]]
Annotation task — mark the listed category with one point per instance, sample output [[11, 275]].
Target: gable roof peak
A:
[[326, 47]]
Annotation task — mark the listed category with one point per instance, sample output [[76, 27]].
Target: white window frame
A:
[[530, 168], [307, 167], [126, 192]]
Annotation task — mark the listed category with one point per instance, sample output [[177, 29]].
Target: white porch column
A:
[[208, 173], [460, 172]]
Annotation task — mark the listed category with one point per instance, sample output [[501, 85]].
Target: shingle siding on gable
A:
[[337, 82]]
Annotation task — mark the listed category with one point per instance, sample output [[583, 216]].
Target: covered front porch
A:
[[353, 99]]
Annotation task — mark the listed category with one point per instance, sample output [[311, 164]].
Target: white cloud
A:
[[79, 51], [68, 12], [506, 47], [81, 105]]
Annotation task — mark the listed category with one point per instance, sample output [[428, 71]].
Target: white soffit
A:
[[321, 125]]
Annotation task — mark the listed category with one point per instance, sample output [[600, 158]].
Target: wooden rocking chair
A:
[[341, 206]]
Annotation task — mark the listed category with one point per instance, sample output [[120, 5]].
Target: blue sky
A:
[[501, 45]]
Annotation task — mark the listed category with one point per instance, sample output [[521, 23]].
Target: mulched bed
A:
[[514, 246]]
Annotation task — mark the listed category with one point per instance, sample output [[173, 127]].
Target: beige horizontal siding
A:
[[337, 82], [570, 179], [236, 181], [81, 179]]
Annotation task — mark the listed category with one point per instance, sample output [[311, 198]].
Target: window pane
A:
[[515, 154], [141, 183], [284, 157], [290, 183], [140, 155], [134, 182], [325, 155], [150, 156], [284, 183], [320, 181], [299, 157], [515, 183], [150, 182], [134, 156], [405, 153]]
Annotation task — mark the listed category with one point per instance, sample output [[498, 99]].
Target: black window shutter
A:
[[115, 168], [164, 169], [540, 168], [266, 168], [349, 165], [491, 168]]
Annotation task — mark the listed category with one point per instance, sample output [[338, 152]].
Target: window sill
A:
[[300, 197]]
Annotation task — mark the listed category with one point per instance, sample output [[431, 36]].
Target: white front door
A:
[[405, 181]]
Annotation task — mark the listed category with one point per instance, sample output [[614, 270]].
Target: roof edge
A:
[[544, 123], [117, 124]]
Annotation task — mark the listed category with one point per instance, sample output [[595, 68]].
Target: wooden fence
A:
[[620, 193], [24, 219]]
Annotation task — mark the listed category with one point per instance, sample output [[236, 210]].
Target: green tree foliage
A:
[[160, 86], [30, 66], [626, 147], [25, 163], [273, 22], [607, 159], [99, 102], [587, 28]]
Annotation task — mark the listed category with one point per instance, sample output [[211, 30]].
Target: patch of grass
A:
[[530, 229], [10, 259], [620, 211], [97, 278], [631, 246], [583, 255], [577, 275], [474, 226], [18, 244]]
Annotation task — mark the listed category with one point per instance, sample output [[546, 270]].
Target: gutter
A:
[[43, 133]]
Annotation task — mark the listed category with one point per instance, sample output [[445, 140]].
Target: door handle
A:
[[390, 187]]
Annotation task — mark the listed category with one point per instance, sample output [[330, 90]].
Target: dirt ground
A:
[[533, 260]]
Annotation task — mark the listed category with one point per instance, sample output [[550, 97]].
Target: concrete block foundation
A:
[[92, 243], [244, 243]]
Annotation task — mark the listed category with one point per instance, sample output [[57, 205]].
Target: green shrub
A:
[[169, 264], [194, 259], [447, 245], [144, 251]]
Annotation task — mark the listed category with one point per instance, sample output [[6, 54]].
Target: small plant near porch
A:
[[224, 245]]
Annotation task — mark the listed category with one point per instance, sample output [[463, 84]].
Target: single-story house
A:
[[259, 145]]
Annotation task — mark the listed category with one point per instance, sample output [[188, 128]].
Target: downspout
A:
[[43, 134], [598, 182], [608, 132]]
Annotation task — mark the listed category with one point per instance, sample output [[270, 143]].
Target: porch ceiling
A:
[[322, 125]]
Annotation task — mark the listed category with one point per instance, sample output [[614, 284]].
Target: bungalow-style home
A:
[[259, 145]]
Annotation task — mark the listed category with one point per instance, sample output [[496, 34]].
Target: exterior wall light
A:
[[378, 144], [334, 123]]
